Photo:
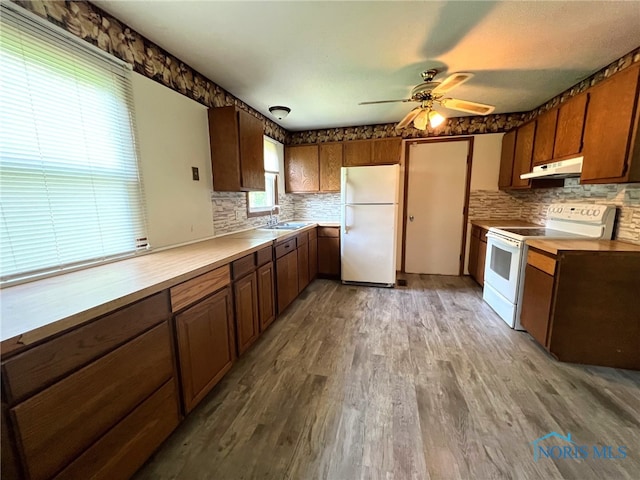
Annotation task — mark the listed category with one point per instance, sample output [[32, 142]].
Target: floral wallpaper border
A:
[[90, 23], [451, 126]]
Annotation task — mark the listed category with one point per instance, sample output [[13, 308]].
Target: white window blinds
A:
[[70, 190]]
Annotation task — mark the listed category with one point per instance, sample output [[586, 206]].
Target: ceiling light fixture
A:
[[279, 111], [427, 115]]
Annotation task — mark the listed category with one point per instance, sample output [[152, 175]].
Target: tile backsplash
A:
[[317, 206], [226, 204], [532, 205]]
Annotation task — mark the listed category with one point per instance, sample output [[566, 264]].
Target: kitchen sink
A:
[[286, 226]]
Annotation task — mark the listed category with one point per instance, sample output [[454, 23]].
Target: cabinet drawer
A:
[[125, 448], [302, 239], [191, 291], [41, 366], [75, 412], [331, 232], [286, 247], [264, 256], [243, 266], [542, 262]]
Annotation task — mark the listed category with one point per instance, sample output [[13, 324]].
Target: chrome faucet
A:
[[273, 216]]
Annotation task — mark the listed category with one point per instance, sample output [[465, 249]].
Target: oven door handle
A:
[[503, 240]]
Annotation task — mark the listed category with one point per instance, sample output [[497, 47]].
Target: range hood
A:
[[561, 169]]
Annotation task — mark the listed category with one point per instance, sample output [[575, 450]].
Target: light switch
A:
[[195, 174]]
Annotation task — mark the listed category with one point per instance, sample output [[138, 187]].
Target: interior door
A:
[[436, 193]]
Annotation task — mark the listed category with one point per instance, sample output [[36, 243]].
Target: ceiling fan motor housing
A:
[[423, 91]]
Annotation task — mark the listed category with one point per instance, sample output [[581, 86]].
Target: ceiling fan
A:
[[429, 92]]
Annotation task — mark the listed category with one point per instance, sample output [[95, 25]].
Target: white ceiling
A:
[[322, 58]]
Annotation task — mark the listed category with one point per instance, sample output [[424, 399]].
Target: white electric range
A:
[[507, 251]]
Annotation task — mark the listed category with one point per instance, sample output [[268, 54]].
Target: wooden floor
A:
[[423, 381]]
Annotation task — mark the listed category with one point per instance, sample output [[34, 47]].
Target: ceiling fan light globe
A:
[[420, 122], [435, 119]]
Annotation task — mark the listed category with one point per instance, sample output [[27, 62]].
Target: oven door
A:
[[502, 265]]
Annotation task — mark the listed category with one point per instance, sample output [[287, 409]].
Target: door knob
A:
[[411, 218]]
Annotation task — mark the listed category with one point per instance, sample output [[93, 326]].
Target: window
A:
[[70, 191], [261, 203]]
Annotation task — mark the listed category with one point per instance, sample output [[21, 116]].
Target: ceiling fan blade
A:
[[452, 81], [408, 118], [386, 101], [467, 106]]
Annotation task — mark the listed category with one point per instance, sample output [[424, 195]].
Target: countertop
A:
[[581, 245], [489, 222], [33, 311]]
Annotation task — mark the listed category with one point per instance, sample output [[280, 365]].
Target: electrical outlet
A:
[[237, 214], [195, 174]]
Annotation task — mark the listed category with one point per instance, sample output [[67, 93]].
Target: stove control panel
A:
[[580, 212]]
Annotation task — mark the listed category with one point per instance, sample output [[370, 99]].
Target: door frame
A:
[[465, 210]]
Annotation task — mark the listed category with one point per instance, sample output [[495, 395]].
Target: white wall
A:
[[173, 136], [484, 176]]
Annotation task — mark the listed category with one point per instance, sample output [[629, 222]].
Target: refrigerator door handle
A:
[[345, 227]]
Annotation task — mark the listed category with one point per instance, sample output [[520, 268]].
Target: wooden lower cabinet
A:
[[266, 295], [303, 266], [482, 256], [287, 279], [206, 344], [582, 305], [477, 253], [125, 448], [245, 298], [536, 303], [329, 252], [313, 254], [79, 409]]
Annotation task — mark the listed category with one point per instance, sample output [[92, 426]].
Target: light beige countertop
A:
[[33, 311], [581, 245], [488, 223]]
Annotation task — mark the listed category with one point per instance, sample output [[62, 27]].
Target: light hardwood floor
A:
[[419, 382]]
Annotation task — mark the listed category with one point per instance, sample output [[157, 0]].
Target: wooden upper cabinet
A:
[[570, 126], [506, 159], [523, 155], [330, 164], [357, 153], [611, 127], [545, 137], [386, 151], [380, 151], [251, 151], [301, 168], [237, 150]]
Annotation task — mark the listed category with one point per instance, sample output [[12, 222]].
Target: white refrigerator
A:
[[369, 217]]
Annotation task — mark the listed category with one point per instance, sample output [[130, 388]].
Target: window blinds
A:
[[271, 163], [70, 190]]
